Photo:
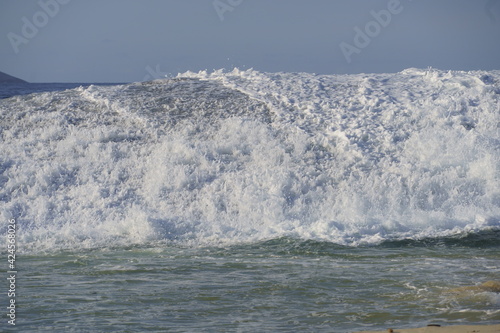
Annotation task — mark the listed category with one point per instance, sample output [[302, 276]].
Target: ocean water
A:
[[19, 89], [254, 202]]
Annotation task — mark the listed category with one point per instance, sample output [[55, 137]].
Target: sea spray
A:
[[218, 158]]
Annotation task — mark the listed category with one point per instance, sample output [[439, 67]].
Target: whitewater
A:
[[243, 201], [238, 157]]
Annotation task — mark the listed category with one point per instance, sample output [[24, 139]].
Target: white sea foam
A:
[[243, 156]]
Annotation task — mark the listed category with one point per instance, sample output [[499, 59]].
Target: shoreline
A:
[[443, 329]]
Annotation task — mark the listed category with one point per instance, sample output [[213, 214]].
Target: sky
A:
[[137, 40]]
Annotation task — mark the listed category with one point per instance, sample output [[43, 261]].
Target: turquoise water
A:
[[281, 285]]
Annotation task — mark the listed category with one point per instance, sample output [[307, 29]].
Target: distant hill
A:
[[10, 79]]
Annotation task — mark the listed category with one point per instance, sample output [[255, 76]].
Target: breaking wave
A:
[[245, 156]]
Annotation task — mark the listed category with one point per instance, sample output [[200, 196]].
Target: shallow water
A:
[[278, 285]]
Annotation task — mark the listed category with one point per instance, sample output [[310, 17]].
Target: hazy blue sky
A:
[[133, 40]]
